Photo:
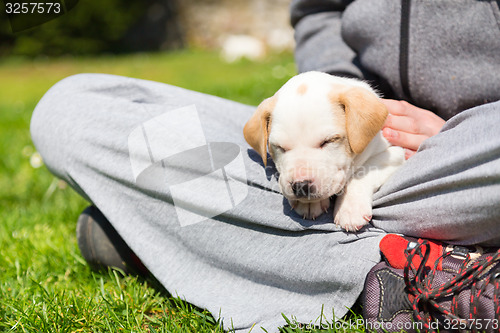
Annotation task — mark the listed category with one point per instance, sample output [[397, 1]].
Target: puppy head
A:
[[314, 127]]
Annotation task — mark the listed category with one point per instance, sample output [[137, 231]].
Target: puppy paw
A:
[[352, 213], [310, 210]]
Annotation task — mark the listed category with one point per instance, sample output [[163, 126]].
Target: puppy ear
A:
[[256, 130], [365, 116]]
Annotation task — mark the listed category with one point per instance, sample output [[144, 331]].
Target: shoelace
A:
[[426, 308]]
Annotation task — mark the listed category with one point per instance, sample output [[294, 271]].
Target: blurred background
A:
[[236, 49], [122, 26]]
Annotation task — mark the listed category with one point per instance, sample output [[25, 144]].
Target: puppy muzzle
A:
[[304, 189]]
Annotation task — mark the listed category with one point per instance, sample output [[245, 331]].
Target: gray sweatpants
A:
[[171, 171]]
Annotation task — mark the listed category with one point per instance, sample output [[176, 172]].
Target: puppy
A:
[[323, 133]]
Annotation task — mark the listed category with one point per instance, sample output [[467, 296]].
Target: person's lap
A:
[[138, 149], [450, 189]]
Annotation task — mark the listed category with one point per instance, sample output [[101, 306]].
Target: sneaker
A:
[[102, 247], [428, 286]]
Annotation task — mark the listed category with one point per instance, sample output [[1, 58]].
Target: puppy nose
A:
[[303, 189]]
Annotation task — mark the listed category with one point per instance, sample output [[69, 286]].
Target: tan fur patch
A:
[[302, 89], [364, 113], [256, 130]]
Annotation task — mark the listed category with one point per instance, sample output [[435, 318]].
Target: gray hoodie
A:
[[440, 55]]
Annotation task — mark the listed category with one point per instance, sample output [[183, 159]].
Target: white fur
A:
[[300, 122]]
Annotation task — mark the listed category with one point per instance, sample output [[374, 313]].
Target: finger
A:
[[404, 124], [398, 108], [409, 153], [403, 139]]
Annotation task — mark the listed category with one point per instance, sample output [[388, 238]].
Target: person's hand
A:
[[408, 126]]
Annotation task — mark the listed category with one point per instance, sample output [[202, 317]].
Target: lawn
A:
[[45, 285]]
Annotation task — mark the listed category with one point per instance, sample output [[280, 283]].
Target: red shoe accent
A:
[[393, 247]]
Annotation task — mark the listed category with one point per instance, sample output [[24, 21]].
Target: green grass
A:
[[45, 285]]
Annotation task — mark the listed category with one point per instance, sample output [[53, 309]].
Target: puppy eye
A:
[[330, 140], [280, 148]]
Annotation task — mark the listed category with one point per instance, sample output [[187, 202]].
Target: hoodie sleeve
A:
[[319, 44]]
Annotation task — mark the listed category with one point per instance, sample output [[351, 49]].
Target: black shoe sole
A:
[[102, 247]]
